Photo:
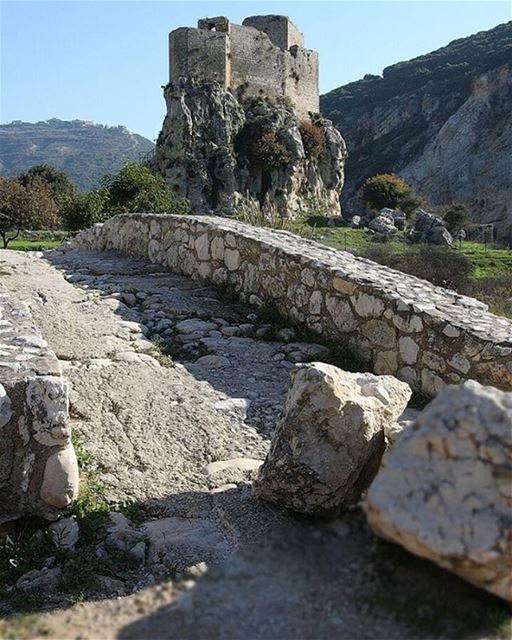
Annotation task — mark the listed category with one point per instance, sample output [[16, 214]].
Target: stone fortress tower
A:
[[265, 56], [242, 130]]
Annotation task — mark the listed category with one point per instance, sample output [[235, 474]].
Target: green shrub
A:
[[82, 210], [313, 138], [456, 217], [388, 190], [136, 189], [442, 266]]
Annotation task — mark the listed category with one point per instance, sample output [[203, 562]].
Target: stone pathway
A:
[[183, 436]]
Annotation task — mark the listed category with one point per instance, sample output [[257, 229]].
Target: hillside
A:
[[442, 121], [83, 150]]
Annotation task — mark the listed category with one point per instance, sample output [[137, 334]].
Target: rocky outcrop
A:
[[330, 438], [38, 466], [445, 491], [224, 154], [442, 121]]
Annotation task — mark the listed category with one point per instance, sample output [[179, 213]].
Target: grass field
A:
[[38, 240], [488, 261]]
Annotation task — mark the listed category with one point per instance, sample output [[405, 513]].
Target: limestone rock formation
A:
[[223, 154], [444, 491], [430, 229], [442, 121], [329, 440]]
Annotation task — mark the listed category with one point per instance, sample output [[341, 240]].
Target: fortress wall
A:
[[199, 54], [248, 61], [279, 29], [38, 467], [425, 335], [302, 80], [257, 67]]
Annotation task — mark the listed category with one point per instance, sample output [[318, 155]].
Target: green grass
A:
[[23, 244], [487, 260], [38, 240]]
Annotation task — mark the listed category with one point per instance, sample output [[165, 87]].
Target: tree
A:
[[82, 210], [31, 207], [456, 217], [60, 185], [136, 189], [388, 190]]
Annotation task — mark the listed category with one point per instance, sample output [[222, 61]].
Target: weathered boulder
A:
[[38, 466], [444, 491], [330, 438], [383, 224], [224, 154], [398, 217], [428, 228]]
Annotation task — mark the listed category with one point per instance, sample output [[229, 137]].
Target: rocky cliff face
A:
[[441, 121], [223, 154], [83, 150]]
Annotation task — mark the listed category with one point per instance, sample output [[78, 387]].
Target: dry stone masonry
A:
[[264, 56], [445, 489], [38, 467], [424, 335]]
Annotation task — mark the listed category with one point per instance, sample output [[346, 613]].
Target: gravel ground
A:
[[183, 434]]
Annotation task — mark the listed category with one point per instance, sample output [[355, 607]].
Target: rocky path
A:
[[183, 435]]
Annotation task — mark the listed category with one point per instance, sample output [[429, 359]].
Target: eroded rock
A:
[[445, 490], [330, 438]]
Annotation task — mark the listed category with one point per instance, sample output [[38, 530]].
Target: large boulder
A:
[[384, 225], [330, 438], [429, 229], [444, 491]]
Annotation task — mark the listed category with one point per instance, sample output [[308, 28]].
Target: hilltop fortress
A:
[[242, 132], [265, 56]]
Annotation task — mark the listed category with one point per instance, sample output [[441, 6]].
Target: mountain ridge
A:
[[441, 120], [84, 150]]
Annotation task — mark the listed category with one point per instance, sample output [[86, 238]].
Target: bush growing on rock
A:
[[268, 153], [387, 190], [313, 138]]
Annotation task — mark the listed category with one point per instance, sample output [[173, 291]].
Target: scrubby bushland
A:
[[313, 138], [388, 190], [440, 265]]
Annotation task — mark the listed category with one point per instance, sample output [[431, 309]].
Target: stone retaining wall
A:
[[38, 467], [425, 335]]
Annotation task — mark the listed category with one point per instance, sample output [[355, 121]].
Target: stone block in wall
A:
[[38, 466]]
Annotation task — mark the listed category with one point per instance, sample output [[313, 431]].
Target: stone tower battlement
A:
[[265, 56]]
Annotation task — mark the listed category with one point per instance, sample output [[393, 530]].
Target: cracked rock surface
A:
[[184, 437], [445, 489]]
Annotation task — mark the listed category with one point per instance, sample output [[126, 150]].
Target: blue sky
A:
[[105, 60]]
